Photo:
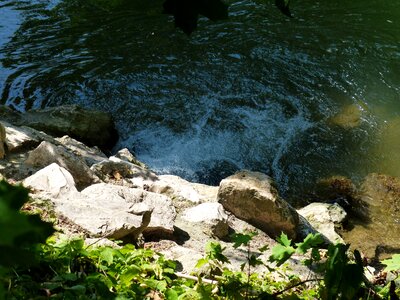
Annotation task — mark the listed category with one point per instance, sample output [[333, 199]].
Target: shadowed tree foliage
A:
[[186, 12]]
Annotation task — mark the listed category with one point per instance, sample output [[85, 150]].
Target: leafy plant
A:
[[18, 232]]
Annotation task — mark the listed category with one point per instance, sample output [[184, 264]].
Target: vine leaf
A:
[[392, 264], [283, 251]]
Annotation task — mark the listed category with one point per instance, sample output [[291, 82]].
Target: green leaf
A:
[[107, 255], [201, 262], [254, 261], [78, 289], [129, 274], [214, 251], [392, 264], [160, 285], [281, 253], [171, 294], [242, 239], [284, 240], [311, 241]]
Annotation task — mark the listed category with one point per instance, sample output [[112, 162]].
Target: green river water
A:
[[300, 99]]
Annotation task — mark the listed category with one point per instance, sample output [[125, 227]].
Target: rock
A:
[[119, 170], [387, 149], [325, 218], [51, 182], [90, 155], [117, 212], [186, 257], [210, 215], [349, 117], [2, 140], [251, 197], [335, 189], [9, 115], [380, 195], [47, 153], [94, 128], [23, 138], [182, 190], [382, 192], [127, 156]]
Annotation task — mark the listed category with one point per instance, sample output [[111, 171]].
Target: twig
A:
[[205, 280], [295, 285]]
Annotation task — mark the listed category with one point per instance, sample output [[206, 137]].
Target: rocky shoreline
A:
[[117, 197]]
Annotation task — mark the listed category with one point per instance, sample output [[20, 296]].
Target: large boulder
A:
[[94, 128], [252, 197], [47, 153]]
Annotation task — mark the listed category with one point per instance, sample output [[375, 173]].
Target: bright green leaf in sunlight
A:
[[392, 264], [284, 240], [311, 241], [107, 255], [281, 253]]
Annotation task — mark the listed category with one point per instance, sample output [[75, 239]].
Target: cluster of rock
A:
[[118, 197]]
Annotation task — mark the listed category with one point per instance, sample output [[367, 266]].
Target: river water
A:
[[299, 99]]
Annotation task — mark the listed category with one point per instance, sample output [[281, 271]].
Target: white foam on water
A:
[[259, 139]]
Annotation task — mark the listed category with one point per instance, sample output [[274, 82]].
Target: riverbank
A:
[[118, 197]]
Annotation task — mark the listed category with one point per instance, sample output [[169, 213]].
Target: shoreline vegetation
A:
[[96, 199]]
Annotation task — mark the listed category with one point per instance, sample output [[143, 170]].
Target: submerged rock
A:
[[252, 197], [349, 117], [381, 193]]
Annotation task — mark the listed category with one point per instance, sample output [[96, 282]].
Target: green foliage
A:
[[18, 231], [342, 278], [283, 251], [66, 268], [392, 264]]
